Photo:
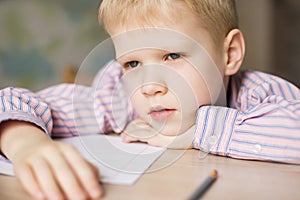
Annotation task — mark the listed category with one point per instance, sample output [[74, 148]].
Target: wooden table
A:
[[178, 173]]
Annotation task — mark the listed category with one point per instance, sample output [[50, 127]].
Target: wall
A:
[[255, 20], [272, 30], [40, 39], [286, 42]]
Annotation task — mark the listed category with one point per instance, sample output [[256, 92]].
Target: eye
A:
[[173, 56], [132, 64]]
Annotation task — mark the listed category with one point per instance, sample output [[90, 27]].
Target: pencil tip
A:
[[214, 174]]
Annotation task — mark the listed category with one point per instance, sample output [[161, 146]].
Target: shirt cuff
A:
[[21, 116], [214, 129]]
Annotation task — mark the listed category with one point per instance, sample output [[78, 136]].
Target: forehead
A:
[[170, 32], [152, 38]]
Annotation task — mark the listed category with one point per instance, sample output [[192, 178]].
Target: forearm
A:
[[252, 135], [61, 111], [35, 156], [18, 135]]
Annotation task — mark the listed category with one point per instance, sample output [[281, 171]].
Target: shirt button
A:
[[257, 148]]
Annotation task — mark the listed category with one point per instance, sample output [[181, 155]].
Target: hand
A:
[[48, 169], [139, 131]]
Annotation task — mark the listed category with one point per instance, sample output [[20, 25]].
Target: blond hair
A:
[[217, 16]]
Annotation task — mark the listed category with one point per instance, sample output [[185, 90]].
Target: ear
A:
[[234, 51]]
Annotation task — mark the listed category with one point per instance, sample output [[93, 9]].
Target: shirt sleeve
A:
[[264, 124], [69, 109], [58, 110], [112, 107], [24, 105]]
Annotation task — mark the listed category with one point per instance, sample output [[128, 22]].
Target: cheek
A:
[[139, 104], [205, 76], [198, 87], [137, 101], [201, 92]]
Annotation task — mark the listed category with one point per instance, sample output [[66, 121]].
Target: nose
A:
[[152, 89], [153, 80]]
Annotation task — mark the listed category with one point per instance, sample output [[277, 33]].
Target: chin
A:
[[172, 129], [173, 126]]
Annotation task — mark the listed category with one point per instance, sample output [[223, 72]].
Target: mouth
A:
[[159, 113]]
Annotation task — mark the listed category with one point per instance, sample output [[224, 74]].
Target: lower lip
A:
[[162, 115]]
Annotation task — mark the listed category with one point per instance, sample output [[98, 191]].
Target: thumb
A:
[[183, 141]]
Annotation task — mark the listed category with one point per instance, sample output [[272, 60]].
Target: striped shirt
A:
[[261, 122]]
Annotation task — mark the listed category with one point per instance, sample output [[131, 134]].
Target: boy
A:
[[177, 60], [261, 120]]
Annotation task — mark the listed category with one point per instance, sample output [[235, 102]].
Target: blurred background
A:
[[44, 42]]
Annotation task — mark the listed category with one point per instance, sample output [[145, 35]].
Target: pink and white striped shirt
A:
[[261, 122]]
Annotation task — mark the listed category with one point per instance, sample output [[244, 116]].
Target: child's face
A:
[[170, 70]]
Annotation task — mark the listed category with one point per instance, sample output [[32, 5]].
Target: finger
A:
[[160, 141], [65, 176], [46, 179], [137, 126], [27, 179], [87, 174], [128, 138], [95, 170], [141, 134], [147, 135], [139, 122], [184, 140]]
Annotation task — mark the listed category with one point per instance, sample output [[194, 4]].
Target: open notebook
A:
[[118, 162]]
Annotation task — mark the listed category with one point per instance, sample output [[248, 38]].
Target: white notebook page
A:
[[118, 162]]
